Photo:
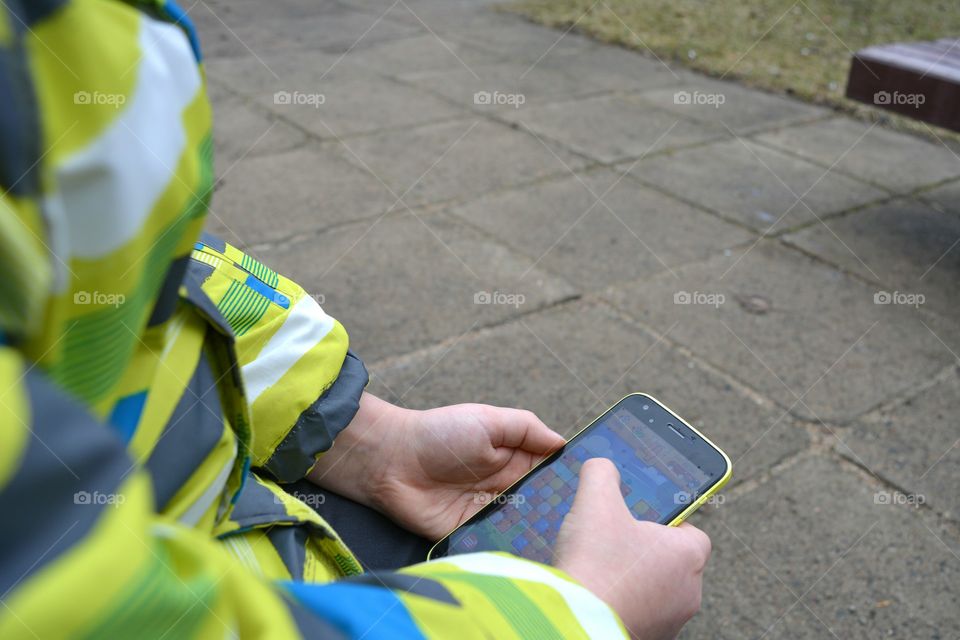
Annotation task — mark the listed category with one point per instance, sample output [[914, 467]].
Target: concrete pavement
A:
[[502, 213]]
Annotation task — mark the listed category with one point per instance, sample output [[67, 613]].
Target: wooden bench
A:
[[920, 80]]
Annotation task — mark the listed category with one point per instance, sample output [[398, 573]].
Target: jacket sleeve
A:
[[83, 554], [302, 382]]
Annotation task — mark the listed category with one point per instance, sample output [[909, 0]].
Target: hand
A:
[[429, 471], [650, 574]]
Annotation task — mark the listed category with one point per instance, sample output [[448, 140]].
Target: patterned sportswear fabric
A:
[[158, 386]]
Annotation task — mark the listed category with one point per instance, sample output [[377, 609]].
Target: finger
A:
[[599, 487], [522, 429]]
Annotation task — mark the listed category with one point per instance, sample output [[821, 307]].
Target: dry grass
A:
[[798, 47]]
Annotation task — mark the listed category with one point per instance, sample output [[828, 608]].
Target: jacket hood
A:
[[105, 175]]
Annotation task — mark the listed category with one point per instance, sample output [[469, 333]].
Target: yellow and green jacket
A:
[[158, 386]]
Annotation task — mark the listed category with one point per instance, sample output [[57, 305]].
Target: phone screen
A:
[[658, 481]]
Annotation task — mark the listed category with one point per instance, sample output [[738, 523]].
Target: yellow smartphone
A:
[[668, 469]]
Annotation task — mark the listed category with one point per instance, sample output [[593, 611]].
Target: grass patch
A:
[[798, 47]]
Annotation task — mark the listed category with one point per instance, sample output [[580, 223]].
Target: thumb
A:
[[520, 429], [599, 488]]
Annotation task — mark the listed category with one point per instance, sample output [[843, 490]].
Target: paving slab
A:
[[615, 68], [461, 159], [360, 105], [436, 267], [246, 10], [613, 128], [816, 534], [945, 197], [754, 185], [243, 29], [904, 244], [915, 445], [517, 39], [568, 365], [631, 233], [437, 16], [218, 20], [791, 327], [730, 105], [307, 189], [887, 158], [330, 28], [241, 130], [305, 71], [430, 52], [329, 96], [505, 88]]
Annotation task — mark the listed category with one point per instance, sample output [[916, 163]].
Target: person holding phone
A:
[[649, 573], [174, 414]]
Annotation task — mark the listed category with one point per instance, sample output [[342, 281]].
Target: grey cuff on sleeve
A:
[[320, 423]]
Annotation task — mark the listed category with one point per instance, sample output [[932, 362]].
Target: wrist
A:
[[380, 443], [356, 464]]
